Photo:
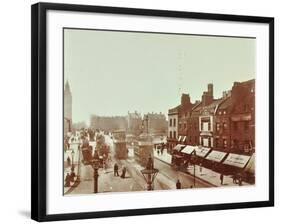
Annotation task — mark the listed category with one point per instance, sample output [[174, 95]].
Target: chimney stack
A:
[[207, 97]]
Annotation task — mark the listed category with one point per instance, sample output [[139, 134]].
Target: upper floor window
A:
[[217, 126], [224, 143], [175, 122], [171, 122]]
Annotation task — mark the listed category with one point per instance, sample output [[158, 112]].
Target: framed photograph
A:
[[141, 111]]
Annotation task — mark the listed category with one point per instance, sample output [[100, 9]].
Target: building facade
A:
[[109, 123], [134, 123], [157, 123], [172, 134], [225, 124], [242, 117]]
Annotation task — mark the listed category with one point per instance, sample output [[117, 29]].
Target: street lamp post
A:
[[78, 171], [149, 173], [96, 167], [72, 166], [194, 166]]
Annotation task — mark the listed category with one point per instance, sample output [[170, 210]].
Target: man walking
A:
[[123, 172], [178, 184], [116, 170], [221, 178]]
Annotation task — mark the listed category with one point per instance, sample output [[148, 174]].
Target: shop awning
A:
[[216, 156], [184, 137], [178, 147], [179, 138], [202, 151], [251, 165], [177, 156], [236, 160], [188, 149]]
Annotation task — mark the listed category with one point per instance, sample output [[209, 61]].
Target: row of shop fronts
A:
[[226, 123], [226, 163]]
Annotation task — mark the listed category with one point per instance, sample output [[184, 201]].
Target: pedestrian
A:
[[67, 180], [162, 150], [72, 175], [178, 184], [116, 170], [234, 179], [221, 178], [200, 167], [158, 152], [240, 181], [68, 161], [123, 172]]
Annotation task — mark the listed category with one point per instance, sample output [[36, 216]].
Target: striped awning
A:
[[216, 156], [236, 160], [251, 164], [188, 149], [202, 151], [179, 147]]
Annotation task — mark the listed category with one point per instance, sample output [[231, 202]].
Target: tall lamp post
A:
[[149, 173], [193, 158], [78, 171], [96, 167], [72, 166]]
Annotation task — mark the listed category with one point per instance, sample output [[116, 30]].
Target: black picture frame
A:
[[39, 108]]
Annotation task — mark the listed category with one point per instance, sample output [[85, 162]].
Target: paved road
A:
[[134, 181]]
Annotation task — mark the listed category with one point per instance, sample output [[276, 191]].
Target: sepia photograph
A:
[[147, 111]]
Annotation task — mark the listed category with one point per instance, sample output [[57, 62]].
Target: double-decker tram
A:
[[144, 149], [119, 144]]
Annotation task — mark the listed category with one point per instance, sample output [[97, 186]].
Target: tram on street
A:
[[144, 149], [119, 144]]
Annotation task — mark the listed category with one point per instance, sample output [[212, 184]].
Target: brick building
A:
[[225, 124]]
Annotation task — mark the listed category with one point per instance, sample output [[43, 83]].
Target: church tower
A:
[[67, 106]]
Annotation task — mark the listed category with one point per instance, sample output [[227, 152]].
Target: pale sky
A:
[[111, 73]]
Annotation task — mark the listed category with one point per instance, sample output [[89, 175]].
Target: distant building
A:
[[157, 123], [79, 125], [134, 123], [109, 123], [67, 108]]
